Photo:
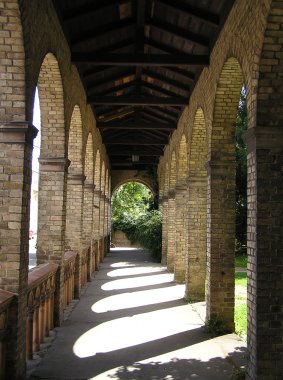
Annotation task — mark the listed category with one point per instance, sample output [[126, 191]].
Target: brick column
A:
[[96, 218], [88, 214], [52, 221], [197, 235], [164, 229], [75, 197], [265, 252], [16, 141], [108, 219], [221, 241], [101, 228], [171, 232], [181, 232]]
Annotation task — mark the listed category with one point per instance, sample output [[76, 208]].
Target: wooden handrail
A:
[[6, 299], [40, 305]]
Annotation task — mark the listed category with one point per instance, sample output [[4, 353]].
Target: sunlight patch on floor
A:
[[135, 271], [204, 361], [137, 282], [140, 298], [123, 264], [137, 329]]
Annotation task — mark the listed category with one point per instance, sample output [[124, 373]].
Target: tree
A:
[[133, 212]]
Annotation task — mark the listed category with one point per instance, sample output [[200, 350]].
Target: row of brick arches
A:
[[196, 177]]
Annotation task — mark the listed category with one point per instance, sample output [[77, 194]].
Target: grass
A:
[[241, 261], [241, 304]]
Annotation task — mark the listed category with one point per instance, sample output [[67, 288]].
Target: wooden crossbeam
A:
[[129, 141], [166, 27], [138, 100], [136, 126], [141, 59], [196, 12], [166, 80]]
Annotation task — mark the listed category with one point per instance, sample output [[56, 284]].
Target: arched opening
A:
[[75, 184], [33, 226], [135, 222], [96, 207], [197, 210], [220, 293], [88, 193]]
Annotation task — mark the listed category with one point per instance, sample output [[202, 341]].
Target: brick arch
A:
[[88, 166], [88, 193], [173, 172], [75, 142], [133, 179], [270, 83], [97, 170], [226, 104], [197, 209], [221, 195], [12, 69], [182, 163], [51, 100], [102, 181]]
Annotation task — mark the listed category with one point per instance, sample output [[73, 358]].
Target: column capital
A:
[[17, 132], [54, 164], [76, 179], [89, 186], [97, 192], [264, 137]]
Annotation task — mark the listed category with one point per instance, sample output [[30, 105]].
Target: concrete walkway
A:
[[132, 323]]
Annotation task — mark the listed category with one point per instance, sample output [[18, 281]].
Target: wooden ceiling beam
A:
[[130, 141], [138, 100], [135, 126], [112, 78], [141, 59], [166, 27], [92, 7], [158, 88], [196, 12], [129, 151], [166, 80], [96, 32], [124, 86]]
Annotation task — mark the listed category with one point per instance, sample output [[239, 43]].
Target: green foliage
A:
[[216, 326], [241, 304], [133, 213], [238, 374], [241, 177], [241, 261]]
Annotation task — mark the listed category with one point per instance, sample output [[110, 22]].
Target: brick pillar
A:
[[88, 214], [96, 218], [16, 141], [52, 221], [108, 217], [101, 227], [221, 241], [181, 232], [171, 233], [164, 229], [197, 235], [265, 252], [74, 220]]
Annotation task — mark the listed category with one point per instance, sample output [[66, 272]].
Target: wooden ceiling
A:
[[139, 61]]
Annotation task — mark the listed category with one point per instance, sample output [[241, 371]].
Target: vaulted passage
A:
[[145, 91]]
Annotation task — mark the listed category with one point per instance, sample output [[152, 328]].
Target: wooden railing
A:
[[69, 277], [5, 303], [40, 318]]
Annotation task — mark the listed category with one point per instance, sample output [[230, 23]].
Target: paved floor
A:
[[132, 323]]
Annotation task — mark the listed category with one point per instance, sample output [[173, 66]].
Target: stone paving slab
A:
[[133, 323]]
